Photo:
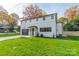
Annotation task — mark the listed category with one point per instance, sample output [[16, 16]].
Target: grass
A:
[[8, 34], [37, 46]]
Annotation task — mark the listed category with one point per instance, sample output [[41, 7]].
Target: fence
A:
[[71, 33]]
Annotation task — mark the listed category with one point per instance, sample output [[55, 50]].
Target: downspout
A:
[[56, 23], [21, 28]]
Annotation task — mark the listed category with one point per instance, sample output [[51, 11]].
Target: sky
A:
[[17, 6]]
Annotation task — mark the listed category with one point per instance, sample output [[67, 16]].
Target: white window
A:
[[43, 18], [37, 19], [52, 17], [46, 29]]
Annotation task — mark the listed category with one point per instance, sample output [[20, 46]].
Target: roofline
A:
[[40, 16]]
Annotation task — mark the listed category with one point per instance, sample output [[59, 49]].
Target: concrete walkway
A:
[[12, 37], [9, 37]]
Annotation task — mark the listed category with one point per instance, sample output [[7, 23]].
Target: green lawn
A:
[[37, 46], [8, 34]]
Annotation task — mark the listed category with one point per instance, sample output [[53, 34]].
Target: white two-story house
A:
[[46, 26]]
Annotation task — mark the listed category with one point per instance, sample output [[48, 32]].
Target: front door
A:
[[32, 31]]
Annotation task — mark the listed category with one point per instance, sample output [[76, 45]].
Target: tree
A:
[[5, 18], [63, 20], [68, 27], [33, 11], [71, 13], [73, 25], [15, 18]]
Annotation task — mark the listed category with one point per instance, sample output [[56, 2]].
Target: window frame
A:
[[52, 16], [43, 18], [36, 19], [46, 29]]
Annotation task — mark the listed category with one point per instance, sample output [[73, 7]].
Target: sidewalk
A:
[[9, 37]]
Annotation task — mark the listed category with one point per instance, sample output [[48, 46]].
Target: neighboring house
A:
[[46, 26], [4, 28]]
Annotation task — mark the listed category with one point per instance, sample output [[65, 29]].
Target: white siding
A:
[[59, 28], [48, 22]]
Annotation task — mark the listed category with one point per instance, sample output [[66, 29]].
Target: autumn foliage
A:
[[15, 18], [6, 18], [63, 20], [71, 13], [33, 11]]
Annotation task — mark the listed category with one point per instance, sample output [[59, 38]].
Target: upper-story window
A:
[[52, 17], [43, 18], [37, 19]]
